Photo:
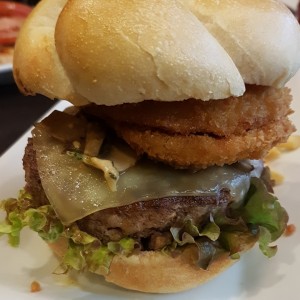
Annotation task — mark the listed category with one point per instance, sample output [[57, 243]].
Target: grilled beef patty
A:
[[148, 221]]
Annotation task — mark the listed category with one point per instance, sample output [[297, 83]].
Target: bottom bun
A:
[[156, 272]]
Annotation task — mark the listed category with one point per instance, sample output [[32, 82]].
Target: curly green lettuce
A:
[[83, 250], [263, 214], [260, 219]]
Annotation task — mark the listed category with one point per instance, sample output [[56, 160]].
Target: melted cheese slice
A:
[[76, 190]]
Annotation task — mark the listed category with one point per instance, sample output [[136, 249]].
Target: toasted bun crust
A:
[[37, 68], [113, 53], [154, 272]]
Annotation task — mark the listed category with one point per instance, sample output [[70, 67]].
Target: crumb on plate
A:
[[290, 229], [276, 177], [293, 143], [35, 287]]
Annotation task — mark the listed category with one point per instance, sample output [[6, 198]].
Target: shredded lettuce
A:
[[19, 215], [260, 219], [100, 259], [83, 250]]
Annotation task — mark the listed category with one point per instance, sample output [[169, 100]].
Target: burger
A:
[[154, 177]]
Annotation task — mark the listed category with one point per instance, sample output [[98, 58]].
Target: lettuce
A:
[[264, 215], [202, 238], [19, 215], [265, 238], [83, 250], [260, 219], [186, 234]]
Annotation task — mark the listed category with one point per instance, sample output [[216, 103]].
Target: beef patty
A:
[[148, 221]]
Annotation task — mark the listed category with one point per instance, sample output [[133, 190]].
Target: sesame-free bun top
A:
[[113, 52], [37, 68], [261, 36]]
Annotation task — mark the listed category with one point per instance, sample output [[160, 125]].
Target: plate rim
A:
[[6, 67]]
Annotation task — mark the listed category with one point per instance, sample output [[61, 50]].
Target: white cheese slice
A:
[[76, 190]]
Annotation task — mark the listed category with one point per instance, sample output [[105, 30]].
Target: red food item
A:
[[12, 16], [290, 229]]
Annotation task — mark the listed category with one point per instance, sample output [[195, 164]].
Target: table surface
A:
[[18, 113]]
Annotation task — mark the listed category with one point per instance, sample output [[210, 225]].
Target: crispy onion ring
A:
[[201, 151], [235, 115], [199, 134]]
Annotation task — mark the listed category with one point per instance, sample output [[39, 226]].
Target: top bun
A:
[[261, 36], [115, 52]]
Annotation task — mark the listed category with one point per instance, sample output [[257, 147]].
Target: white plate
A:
[[6, 74], [291, 3]]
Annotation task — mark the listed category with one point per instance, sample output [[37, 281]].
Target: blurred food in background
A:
[[12, 16]]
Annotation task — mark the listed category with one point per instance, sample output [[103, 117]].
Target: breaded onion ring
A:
[[201, 151], [258, 106]]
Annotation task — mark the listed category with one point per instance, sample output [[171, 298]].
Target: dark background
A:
[[18, 113]]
